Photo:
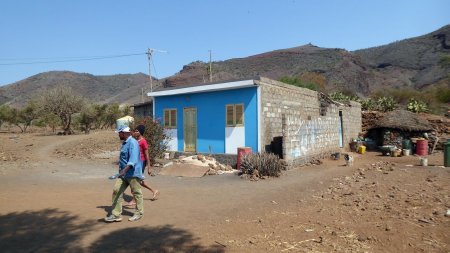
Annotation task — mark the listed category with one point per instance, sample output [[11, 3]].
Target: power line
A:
[[74, 59]]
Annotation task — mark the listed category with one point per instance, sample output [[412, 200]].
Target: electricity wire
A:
[[70, 59]]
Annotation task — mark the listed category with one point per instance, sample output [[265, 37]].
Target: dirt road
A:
[[54, 194]]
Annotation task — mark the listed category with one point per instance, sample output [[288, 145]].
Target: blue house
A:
[[212, 118], [263, 114]]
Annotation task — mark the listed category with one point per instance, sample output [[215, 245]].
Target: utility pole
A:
[[210, 66], [149, 56]]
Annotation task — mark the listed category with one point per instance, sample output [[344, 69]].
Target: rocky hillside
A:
[[124, 88], [411, 63]]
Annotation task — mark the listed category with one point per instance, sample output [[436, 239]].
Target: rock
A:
[[447, 214], [201, 157], [362, 238]]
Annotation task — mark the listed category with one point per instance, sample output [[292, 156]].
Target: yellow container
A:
[[362, 149]]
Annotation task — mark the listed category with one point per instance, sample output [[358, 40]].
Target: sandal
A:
[[155, 195]]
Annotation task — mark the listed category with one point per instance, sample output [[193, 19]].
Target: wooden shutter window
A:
[[166, 118], [239, 113], [230, 115], [173, 118]]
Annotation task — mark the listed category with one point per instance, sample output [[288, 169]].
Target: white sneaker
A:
[[135, 217], [113, 218]]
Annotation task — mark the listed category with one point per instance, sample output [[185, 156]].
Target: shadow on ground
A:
[[48, 230], [151, 239], [51, 230]]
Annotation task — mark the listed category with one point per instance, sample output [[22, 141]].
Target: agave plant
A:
[[262, 164]]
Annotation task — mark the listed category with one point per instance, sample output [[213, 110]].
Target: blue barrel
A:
[[406, 144]]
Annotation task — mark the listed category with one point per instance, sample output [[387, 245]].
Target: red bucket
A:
[[240, 153], [422, 147]]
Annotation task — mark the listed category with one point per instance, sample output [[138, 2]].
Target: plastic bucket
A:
[[362, 149], [424, 161], [422, 147], [240, 153], [406, 152]]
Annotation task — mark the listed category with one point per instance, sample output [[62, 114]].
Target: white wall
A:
[[234, 138]]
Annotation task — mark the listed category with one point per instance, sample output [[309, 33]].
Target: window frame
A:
[[169, 119], [234, 120]]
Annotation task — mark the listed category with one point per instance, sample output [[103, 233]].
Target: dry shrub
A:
[[262, 164]]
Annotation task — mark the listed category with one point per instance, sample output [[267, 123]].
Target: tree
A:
[[87, 118], [62, 102], [112, 114], [4, 114], [28, 114]]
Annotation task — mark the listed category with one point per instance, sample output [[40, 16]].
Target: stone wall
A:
[[352, 121], [307, 129], [278, 99]]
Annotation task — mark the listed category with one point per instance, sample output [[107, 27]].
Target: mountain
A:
[[411, 63], [122, 88], [408, 63]]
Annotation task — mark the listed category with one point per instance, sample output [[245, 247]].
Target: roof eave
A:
[[205, 88]]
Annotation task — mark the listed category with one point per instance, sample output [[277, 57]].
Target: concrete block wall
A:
[[306, 139], [278, 99], [352, 122], [294, 113]]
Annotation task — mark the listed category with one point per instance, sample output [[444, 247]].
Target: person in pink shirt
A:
[[145, 159]]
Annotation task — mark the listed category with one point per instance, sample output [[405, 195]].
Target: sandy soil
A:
[[54, 194]]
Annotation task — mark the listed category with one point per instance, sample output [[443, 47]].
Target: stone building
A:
[[144, 109], [296, 123]]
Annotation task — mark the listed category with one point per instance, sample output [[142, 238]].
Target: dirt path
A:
[[55, 203]]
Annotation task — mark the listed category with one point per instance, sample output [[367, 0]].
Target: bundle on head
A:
[[266, 164]]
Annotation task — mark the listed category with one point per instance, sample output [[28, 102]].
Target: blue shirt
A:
[[130, 155]]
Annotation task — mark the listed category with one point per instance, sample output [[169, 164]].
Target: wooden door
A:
[[190, 129]]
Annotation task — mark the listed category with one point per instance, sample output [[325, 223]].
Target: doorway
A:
[[190, 129], [341, 130]]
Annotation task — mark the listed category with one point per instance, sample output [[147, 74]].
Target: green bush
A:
[[368, 104], [262, 164], [340, 96], [386, 104], [299, 83], [416, 106]]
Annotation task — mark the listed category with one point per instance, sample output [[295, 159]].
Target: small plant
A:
[[262, 164], [368, 104], [416, 106], [386, 104], [340, 96]]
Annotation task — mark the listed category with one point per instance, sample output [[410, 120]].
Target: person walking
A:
[[130, 173], [143, 147]]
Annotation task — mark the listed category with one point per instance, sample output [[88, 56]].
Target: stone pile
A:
[[215, 168]]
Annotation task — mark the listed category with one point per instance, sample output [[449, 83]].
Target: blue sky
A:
[[52, 30]]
